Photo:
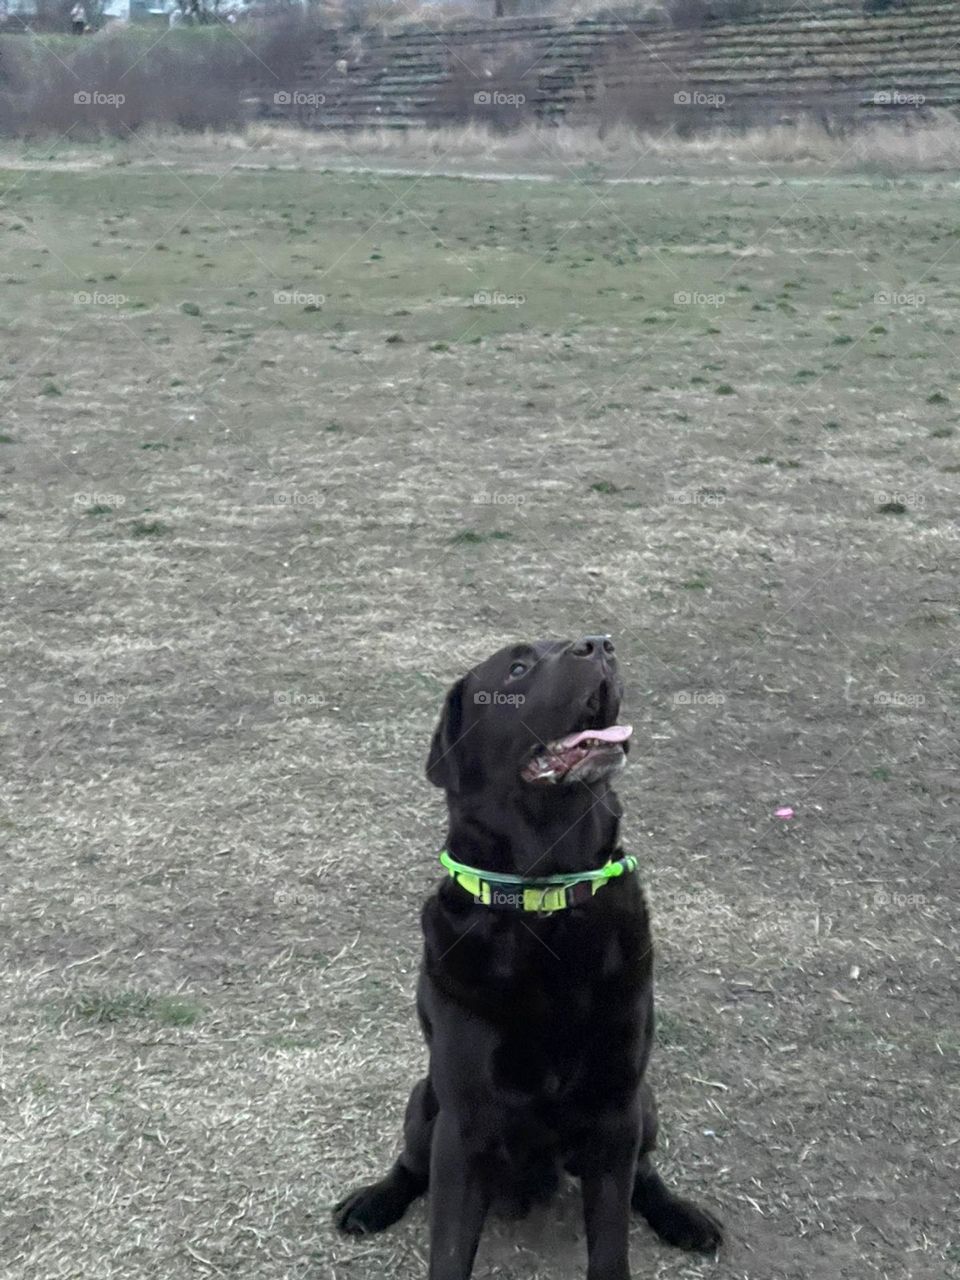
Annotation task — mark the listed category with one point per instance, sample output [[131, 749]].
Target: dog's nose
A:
[[593, 647]]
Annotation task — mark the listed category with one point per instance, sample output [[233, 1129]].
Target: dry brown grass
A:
[[180, 833], [621, 154], [892, 149]]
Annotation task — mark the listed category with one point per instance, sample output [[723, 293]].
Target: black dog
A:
[[536, 992]]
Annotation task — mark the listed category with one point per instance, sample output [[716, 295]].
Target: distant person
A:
[[78, 20]]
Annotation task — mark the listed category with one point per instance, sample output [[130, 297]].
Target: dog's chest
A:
[[573, 1020], [544, 1012]]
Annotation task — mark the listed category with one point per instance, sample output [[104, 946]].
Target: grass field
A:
[[284, 451]]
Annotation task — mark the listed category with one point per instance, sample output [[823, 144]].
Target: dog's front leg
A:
[[458, 1202], [606, 1185]]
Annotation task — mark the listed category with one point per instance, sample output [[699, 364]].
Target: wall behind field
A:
[[704, 66]]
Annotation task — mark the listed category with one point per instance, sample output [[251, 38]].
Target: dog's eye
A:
[[518, 669]]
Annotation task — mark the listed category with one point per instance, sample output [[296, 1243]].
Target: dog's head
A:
[[530, 717]]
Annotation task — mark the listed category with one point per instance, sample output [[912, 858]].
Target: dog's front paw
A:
[[370, 1209], [685, 1225]]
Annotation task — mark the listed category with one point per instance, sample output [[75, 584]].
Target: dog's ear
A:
[[443, 762]]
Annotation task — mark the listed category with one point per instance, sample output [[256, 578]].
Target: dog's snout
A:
[[593, 647]]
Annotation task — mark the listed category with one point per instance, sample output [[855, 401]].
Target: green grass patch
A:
[[471, 538], [125, 1006], [148, 529]]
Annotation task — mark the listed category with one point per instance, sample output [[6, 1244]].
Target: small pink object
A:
[[784, 812]]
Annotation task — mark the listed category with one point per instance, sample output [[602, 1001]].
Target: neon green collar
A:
[[549, 893]]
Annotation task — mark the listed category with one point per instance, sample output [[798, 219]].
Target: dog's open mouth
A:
[[586, 754]]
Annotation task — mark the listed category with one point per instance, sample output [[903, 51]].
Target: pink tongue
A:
[[616, 733]]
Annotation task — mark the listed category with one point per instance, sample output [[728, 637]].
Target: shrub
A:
[[192, 78]]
